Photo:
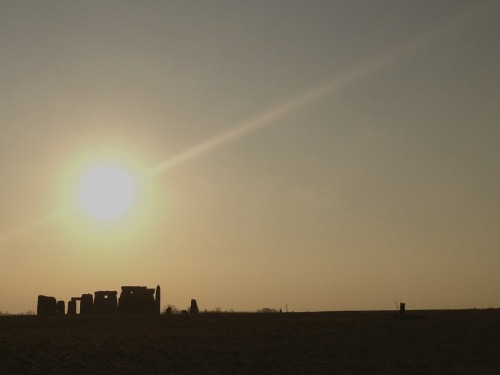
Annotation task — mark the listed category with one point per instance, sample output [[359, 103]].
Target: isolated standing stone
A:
[[194, 307]]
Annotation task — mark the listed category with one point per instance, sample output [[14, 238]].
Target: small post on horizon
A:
[[402, 308]]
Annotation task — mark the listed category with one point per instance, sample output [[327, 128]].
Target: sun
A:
[[107, 192]]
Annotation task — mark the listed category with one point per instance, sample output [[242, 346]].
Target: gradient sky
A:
[[327, 155]]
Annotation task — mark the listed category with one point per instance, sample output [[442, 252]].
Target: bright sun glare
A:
[[107, 192]]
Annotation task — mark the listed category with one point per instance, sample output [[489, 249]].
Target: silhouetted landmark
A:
[[46, 306], [105, 302], [133, 299], [194, 307], [71, 307], [138, 299], [86, 304], [157, 299], [60, 308]]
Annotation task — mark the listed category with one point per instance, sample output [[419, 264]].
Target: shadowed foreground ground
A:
[[446, 342]]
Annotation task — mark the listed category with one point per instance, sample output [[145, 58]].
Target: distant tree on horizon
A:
[[267, 310]]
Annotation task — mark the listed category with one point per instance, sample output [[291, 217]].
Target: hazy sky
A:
[[328, 155]]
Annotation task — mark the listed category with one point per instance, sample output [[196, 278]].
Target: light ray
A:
[[368, 68], [22, 230], [359, 72]]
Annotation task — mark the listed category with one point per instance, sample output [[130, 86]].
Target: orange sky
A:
[[325, 155]]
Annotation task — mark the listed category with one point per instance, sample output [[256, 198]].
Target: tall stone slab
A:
[[86, 304], [158, 300], [60, 308], [105, 302], [194, 307], [46, 306], [72, 307]]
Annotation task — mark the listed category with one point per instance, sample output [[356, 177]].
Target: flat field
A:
[[445, 342]]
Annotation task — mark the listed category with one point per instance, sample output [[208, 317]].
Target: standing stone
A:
[[61, 308], [194, 307], [105, 302], [46, 306], [138, 300], [86, 304], [157, 300], [72, 307]]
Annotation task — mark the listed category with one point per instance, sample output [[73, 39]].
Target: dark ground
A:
[[446, 342]]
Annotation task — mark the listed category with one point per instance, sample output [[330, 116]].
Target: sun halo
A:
[[107, 192]]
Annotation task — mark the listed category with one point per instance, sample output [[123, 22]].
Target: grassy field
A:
[[445, 342]]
